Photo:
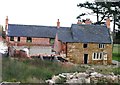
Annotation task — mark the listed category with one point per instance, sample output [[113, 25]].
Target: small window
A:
[[52, 41], [101, 45], [18, 39], [29, 39], [11, 38], [84, 45]]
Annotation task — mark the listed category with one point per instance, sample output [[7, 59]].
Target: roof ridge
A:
[[31, 25], [89, 25], [37, 25]]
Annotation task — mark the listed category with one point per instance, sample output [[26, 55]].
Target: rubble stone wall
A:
[[75, 52]]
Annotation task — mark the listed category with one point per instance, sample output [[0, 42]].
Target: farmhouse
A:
[[81, 43], [38, 39]]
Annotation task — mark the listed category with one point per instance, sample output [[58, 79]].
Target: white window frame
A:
[[105, 56], [96, 56], [101, 45]]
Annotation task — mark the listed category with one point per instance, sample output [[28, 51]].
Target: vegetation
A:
[[103, 10], [33, 71], [116, 53]]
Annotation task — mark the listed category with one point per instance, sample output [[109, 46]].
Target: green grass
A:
[[30, 71], [116, 53], [116, 71]]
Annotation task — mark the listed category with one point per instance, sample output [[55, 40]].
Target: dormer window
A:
[[52, 41], [18, 39], [85, 45], [29, 39], [101, 45], [11, 38]]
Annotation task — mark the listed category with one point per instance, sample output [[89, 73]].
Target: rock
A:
[[50, 82], [61, 75], [54, 80], [82, 75], [80, 80], [71, 81], [94, 74], [99, 75], [112, 74], [87, 80], [90, 76]]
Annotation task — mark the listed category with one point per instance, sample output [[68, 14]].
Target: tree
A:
[[103, 10]]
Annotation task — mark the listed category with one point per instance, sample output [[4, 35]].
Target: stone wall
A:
[[75, 52]]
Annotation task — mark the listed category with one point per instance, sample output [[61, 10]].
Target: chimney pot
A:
[[6, 21], [108, 22], [58, 24], [79, 22], [6, 25], [88, 21]]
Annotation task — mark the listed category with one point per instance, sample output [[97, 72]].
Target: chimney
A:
[[58, 24], [6, 22], [108, 22], [79, 22], [6, 25], [88, 21]]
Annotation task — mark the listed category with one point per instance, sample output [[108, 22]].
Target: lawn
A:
[[116, 52]]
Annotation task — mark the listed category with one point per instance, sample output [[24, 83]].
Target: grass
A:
[[116, 53], [37, 71], [33, 71]]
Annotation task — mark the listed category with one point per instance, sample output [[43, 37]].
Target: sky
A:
[[42, 12]]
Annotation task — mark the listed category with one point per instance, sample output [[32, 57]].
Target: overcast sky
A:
[[41, 12]]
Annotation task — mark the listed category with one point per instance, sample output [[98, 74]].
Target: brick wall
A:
[[23, 41], [75, 52], [40, 41]]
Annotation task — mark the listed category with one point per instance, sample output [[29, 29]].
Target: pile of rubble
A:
[[90, 76]]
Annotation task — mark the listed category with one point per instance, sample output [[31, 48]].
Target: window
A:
[[52, 41], [100, 55], [18, 39], [94, 55], [84, 45], [101, 45], [29, 39], [11, 38], [97, 56]]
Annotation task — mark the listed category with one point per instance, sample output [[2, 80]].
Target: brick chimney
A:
[[108, 22], [58, 24], [79, 22], [88, 21], [6, 23]]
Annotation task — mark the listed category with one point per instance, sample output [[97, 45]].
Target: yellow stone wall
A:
[[75, 52]]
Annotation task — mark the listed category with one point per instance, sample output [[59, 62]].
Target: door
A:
[[85, 58]]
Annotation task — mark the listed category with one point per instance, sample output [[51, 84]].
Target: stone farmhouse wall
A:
[[75, 52]]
